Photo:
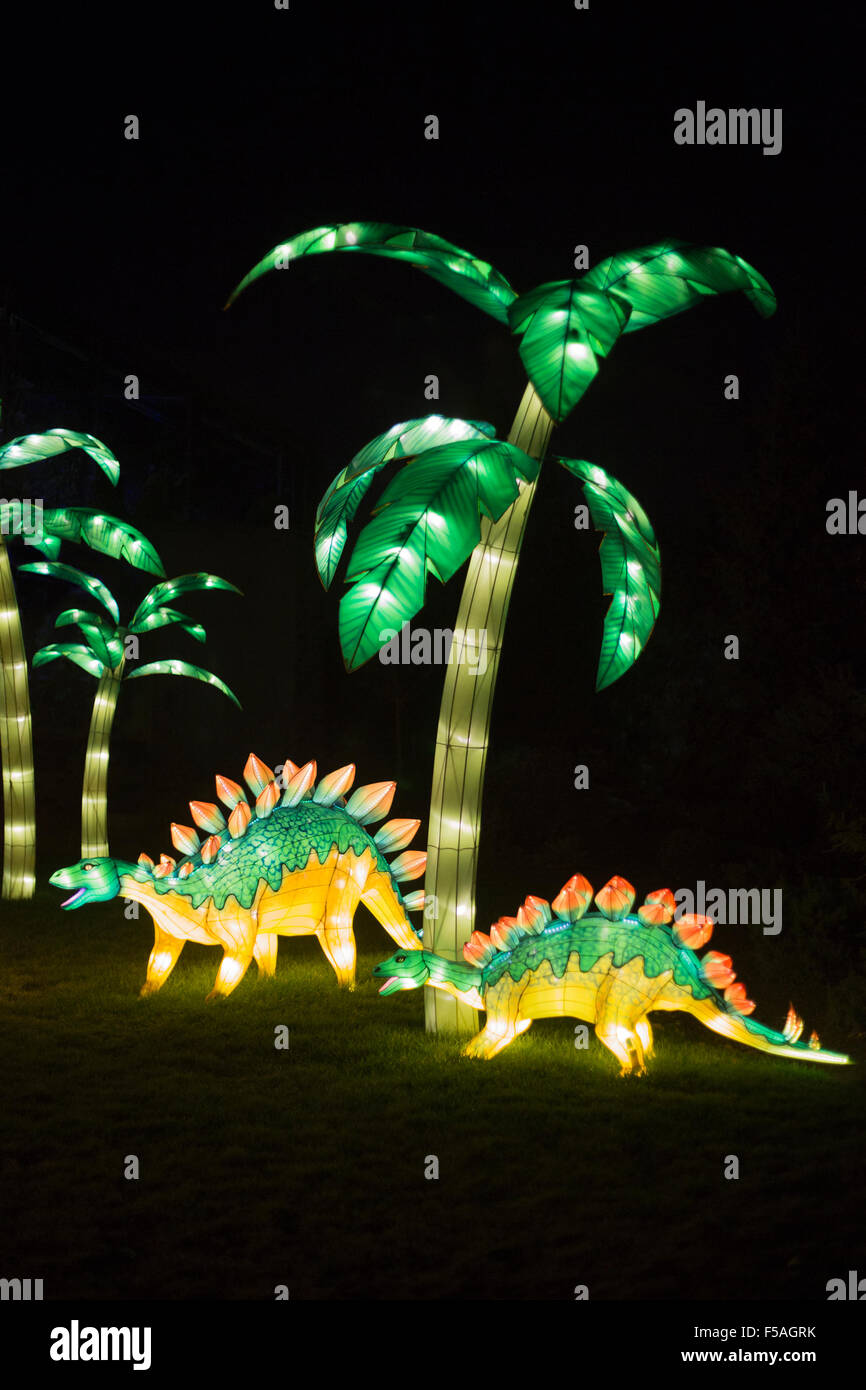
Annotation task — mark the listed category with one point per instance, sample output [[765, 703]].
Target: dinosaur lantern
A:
[[295, 863], [607, 967]]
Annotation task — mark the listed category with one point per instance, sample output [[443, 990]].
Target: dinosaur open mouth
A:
[[75, 899], [391, 980]]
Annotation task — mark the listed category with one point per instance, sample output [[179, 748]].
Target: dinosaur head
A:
[[404, 970], [93, 881]]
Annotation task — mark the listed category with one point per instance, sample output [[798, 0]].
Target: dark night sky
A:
[[556, 128]]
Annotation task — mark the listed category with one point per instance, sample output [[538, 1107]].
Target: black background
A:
[[556, 128]]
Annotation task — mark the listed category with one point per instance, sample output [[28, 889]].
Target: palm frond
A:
[[344, 496], [428, 521], [30, 448], [459, 270], [630, 569]]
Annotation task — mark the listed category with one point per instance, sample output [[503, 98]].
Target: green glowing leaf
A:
[[630, 569], [104, 639], [460, 271], [428, 520], [670, 276], [564, 330], [76, 653], [344, 496], [94, 587], [183, 668], [162, 617], [30, 448], [103, 533], [161, 594]]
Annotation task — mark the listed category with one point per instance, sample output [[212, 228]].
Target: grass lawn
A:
[[305, 1167]]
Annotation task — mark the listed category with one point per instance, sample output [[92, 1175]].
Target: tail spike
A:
[[371, 803], [334, 785], [166, 866], [814, 1041], [185, 870], [207, 816], [396, 834], [415, 901], [299, 785], [145, 861], [239, 819], [229, 793], [257, 774], [793, 1026]]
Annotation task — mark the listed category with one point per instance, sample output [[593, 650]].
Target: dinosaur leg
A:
[[335, 932], [338, 944], [620, 1042], [163, 958], [379, 896], [235, 930], [500, 1029], [621, 1006], [645, 1033], [265, 954]]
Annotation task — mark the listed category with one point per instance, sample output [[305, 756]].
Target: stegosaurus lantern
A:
[[607, 967], [295, 862]]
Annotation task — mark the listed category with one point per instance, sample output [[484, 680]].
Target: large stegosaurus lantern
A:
[[296, 862], [607, 967]]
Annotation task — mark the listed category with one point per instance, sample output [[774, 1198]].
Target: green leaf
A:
[[76, 653], [94, 587], [30, 448], [564, 330], [104, 534], [630, 569], [183, 668], [428, 520], [459, 270], [344, 496], [170, 588], [162, 617], [670, 276], [105, 639]]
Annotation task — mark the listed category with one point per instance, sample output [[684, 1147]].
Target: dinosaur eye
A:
[[399, 959], [86, 867]]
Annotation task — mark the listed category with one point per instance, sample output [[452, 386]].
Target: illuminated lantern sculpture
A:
[[103, 654], [608, 967], [462, 494], [295, 862], [44, 530]]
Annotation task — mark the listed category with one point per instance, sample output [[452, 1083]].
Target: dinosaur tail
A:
[[713, 1013]]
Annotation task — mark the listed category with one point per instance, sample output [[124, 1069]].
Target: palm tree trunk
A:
[[464, 726], [94, 797], [16, 746]]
